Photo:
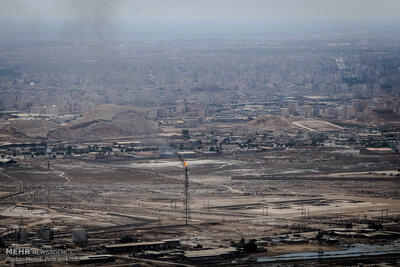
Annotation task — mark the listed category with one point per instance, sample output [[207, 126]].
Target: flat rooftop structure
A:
[[128, 143], [187, 154], [379, 149], [376, 150], [96, 259], [142, 246], [134, 244], [23, 144], [210, 254], [6, 161], [170, 135]]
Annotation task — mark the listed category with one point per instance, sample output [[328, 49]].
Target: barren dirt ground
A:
[[244, 195]]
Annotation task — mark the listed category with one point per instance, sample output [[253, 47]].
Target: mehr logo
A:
[[18, 251]]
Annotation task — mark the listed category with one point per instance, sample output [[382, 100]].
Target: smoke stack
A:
[[186, 193]]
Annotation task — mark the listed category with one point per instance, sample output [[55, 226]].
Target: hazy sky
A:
[[181, 18], [268, 10]]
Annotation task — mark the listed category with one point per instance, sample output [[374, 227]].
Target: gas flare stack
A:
[[186, 204]]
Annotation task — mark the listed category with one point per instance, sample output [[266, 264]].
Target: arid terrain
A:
[[251, 196]]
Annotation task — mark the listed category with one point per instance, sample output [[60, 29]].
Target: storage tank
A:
[[45, 234], [79, 236]]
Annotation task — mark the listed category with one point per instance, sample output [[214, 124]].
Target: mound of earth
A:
[[106, 121], [380, 117], [26, 129], [272, 122]]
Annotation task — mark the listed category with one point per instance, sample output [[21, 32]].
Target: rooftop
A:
[[209, 252], [379, 149], [135, 244]]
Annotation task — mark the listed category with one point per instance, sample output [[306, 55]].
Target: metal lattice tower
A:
[[186, 195]]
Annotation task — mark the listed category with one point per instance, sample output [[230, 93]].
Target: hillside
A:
[[380, 117], [272, 122], [104, 121], [25, 129]]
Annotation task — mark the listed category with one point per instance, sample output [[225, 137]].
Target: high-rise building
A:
[[307, 111], [292, 106]]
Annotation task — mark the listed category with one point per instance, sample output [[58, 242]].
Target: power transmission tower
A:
[[186, 194]]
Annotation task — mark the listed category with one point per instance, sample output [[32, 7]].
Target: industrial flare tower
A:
[[186, 204]]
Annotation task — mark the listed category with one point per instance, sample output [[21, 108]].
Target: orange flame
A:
[[185, 164]]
